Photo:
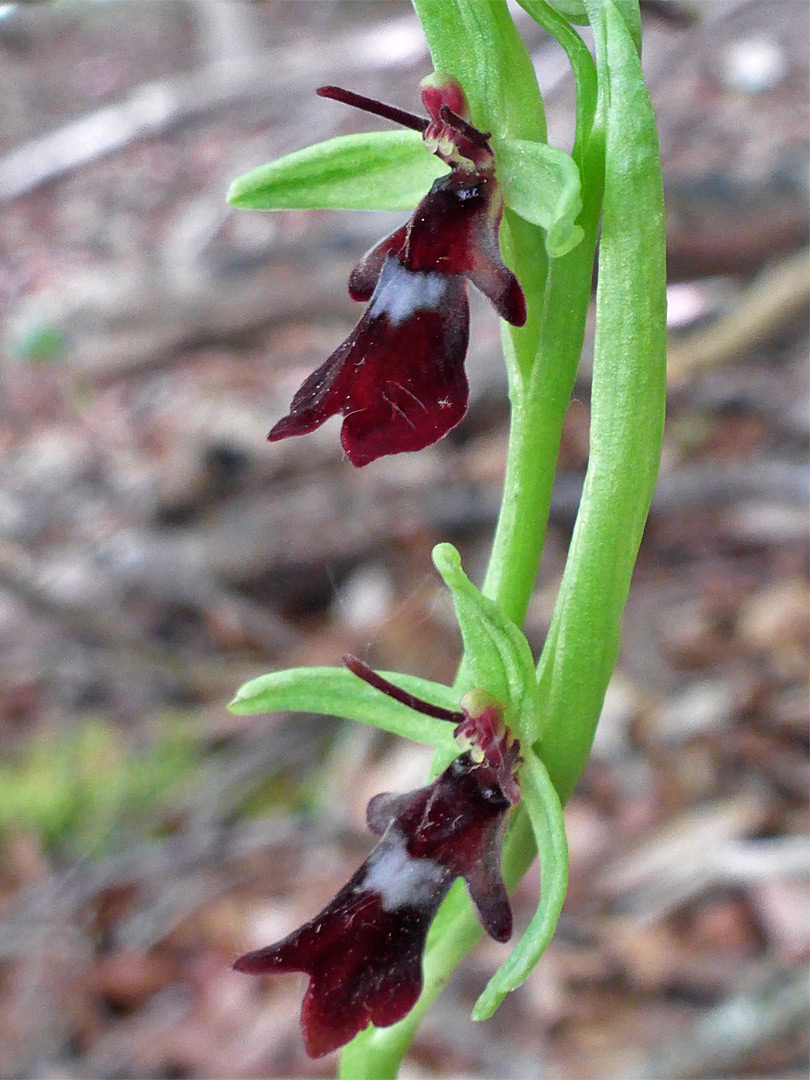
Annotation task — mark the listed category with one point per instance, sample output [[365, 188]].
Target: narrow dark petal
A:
[[363, 279], [371, 105], [367, 674], [479, 138]]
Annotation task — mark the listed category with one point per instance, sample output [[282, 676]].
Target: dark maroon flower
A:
[[363, 952], [398, 379]]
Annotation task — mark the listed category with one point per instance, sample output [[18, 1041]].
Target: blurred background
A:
[[156, 552]]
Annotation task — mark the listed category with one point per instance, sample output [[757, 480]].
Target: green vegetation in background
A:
[[84, 791]]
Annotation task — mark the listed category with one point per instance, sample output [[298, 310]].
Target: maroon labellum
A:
[[363, 952], [399, 379]]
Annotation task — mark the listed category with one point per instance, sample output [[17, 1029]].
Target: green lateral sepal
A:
[[337, 692], [544, 810], [377, 170], [542, 185]]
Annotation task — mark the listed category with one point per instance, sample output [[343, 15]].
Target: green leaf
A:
[[541, 183], [542, 804], [378, 170], [497, 656], [627, 411], [337, 692]]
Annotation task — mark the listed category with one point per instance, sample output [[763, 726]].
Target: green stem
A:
[[540, 392]]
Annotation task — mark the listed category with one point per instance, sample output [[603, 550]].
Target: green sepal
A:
[[497, 656], [542, 805], [541, 184], [376, 170], [337, 692]]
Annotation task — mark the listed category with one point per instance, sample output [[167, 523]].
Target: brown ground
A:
[[155, 552]]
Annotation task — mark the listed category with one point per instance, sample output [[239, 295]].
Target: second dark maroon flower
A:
[[363, 952]]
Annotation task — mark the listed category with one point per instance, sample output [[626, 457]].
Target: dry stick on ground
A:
[[772, 301], [727, 1035], [100, 626], [154, 108]]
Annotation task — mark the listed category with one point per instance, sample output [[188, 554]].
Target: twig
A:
[[728, 1034], [771, 302], [155, 107]]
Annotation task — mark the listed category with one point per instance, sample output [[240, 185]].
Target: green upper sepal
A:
[[573, 10], [496, 654]]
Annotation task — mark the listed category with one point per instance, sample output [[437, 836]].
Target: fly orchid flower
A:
[[399, 379], [363, 952]]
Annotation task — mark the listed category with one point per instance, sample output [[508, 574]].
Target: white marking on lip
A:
[[400, 292], [400, 879]]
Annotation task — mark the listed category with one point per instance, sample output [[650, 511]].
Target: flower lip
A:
[[363, 951], [398, 380], [363, 960]]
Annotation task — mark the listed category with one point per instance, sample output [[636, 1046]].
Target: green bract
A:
[[627, 410]]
